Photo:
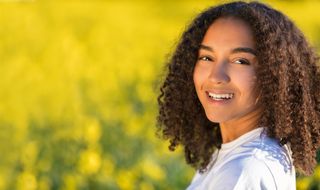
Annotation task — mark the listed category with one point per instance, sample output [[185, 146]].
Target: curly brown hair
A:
[[287, 75]]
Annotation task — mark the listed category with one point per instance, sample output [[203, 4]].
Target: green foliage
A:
[[78, 92]]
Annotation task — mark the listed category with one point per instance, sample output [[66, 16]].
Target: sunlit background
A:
[[78, 88]]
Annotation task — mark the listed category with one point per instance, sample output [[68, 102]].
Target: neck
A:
[[233, 129]]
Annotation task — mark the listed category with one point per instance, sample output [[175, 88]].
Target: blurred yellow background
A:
[[78, 88]]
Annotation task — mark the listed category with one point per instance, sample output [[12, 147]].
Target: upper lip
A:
[[219, 92]]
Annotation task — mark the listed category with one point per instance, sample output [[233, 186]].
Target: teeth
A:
[[220, 96]]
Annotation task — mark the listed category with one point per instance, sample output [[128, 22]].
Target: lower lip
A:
[[219, 102]]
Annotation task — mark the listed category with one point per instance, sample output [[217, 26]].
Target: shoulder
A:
[[244, 172], [268, 151], [259, 164]]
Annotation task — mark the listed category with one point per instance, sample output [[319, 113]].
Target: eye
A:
[[205, 58], [242, 61]]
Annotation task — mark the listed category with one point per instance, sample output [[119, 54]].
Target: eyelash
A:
[[207, 58]]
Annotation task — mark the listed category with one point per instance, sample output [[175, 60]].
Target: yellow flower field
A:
[[78, 88]]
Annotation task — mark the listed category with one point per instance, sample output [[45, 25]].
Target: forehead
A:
[[229, 31]]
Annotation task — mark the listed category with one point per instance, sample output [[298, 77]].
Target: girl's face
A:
[[224, 75]]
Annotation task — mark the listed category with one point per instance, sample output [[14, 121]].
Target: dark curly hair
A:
[[287, 75]]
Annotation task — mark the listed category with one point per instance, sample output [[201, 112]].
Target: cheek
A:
[[246, 81], [198, 77]]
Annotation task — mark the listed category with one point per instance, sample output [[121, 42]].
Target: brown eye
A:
[[204, 58], [242, 62]]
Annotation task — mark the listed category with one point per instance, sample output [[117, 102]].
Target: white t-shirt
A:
[[253, 161]]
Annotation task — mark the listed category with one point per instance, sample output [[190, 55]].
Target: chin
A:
[[216, 118]]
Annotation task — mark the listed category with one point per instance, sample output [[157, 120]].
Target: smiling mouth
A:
[[219, 97]]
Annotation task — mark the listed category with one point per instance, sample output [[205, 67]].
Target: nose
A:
[[218, 73]]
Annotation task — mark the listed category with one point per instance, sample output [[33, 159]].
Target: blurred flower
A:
[[151, 169], [69, 182], [2, 181], [92, 131], [145, 93], [126, 179], [27, 181], [133, 126], [303, 183], [90, 162], [29, 154]]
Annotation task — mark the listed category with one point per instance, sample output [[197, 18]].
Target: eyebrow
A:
[[235, 50]]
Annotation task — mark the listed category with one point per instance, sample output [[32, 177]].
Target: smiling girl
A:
[[242, 95]]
